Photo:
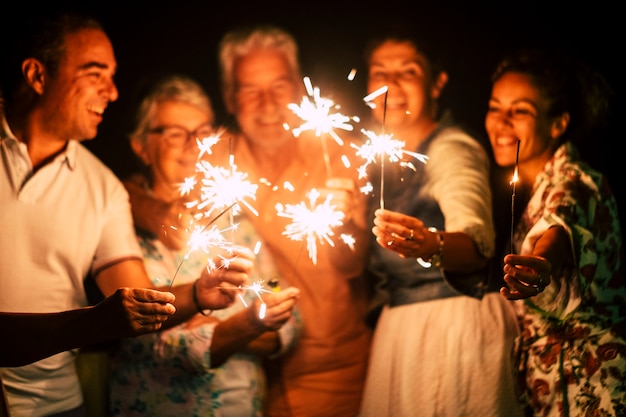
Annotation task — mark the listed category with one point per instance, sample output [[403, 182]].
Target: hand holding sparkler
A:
[[278, 309], [220, 282], [403, 234], [245, 331], [525, 275]]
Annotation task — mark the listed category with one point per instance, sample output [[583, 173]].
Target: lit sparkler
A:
[[257, 288], [204, 237], [513, 183], [223, 187], [315, 110], [311, 221], [317, 114], [381, 146], [206, 144]]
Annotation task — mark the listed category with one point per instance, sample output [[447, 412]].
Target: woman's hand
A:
[[277, 310], [525, 276], [403, 234]]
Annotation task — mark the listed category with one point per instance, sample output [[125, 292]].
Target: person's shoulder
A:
[[95, 171], [457, 135], [450, 126], [90, 160]]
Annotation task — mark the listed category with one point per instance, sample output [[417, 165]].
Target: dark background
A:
[[153, 38]]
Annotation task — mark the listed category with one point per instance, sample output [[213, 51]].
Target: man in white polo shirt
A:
[[64, 214]]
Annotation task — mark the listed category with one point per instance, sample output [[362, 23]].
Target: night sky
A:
[[156, 38]]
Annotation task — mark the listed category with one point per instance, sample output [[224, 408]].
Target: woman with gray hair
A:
[[213, 361]]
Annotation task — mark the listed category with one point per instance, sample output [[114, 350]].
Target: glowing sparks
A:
[[312, 222], [205, 145], [223, 187], [203, 238], [371, 96], [514, 183], [378, 146], [316, 113], [187, 186], [257, 288], [349, 240]]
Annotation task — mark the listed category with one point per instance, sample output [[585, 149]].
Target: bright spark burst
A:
[[311, 221], [205, 145], [203, 238], [368, 99], [348, 240], [316, 113], [257, 288], [221, 188], [187, 186], [378, 146]]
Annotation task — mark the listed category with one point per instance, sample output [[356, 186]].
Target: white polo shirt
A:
[[70, 217]]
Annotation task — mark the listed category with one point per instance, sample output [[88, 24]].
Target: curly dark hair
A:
[[570, 86]]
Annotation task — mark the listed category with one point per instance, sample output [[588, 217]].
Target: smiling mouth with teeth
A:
[[99, 110]]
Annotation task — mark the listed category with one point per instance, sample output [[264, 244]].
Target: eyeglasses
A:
[[179, 137]]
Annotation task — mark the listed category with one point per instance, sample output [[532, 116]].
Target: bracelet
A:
[[435, 260], [197, 303]]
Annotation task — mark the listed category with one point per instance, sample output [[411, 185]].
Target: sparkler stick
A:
[[382, 160], [231, 159], [368, 98], [513, 183]]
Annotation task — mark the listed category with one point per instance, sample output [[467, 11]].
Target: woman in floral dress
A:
[[567, 265]]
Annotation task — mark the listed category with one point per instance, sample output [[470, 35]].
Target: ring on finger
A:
[[393, 239], [410, 237]]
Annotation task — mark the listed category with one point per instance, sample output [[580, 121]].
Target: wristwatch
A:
[[435, 260]]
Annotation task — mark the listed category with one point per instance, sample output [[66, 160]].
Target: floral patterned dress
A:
[[168, 373], [573, 346]]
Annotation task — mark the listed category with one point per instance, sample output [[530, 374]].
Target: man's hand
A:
[[137, 310]]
